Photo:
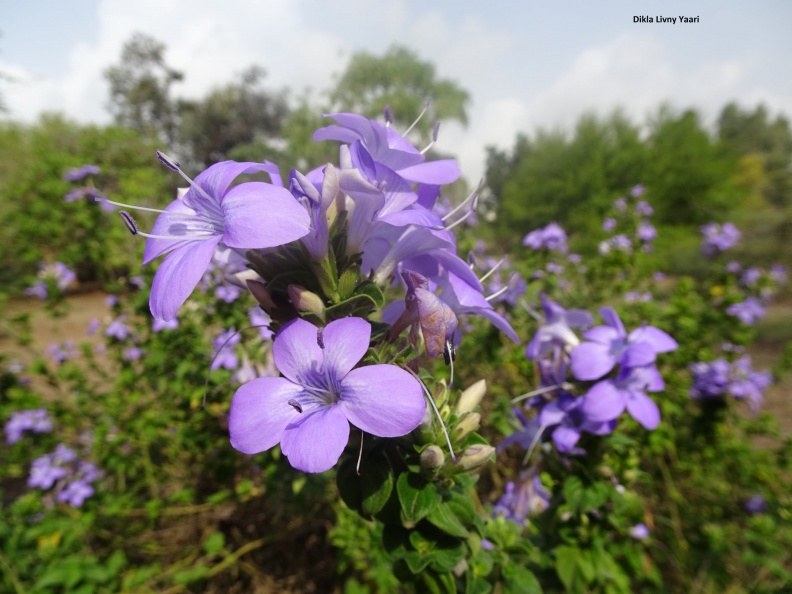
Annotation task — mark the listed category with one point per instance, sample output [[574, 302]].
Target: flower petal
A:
[[260, 413], [566, 438], [157, 247], [296, 351], [441, 172], [314, 442], [217, 178], [603, 402], [383, 400], [660, 341], [643, 409], [345, 342], [591, 360], [638, 355], [259, 215], [178, 275]]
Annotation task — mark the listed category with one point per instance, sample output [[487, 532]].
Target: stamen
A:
[[497, 293], [425, 149], [320, 338], [437, 412], [536, 392], [189, 237], [295, 405], [472, 196], [466, 216], [360, 454], [493, 269], [132, 206], [174, 165], [418, 119], [388, 112], [536, 316], [435, 130], [449, 354], [129, 222], [533, 443], [168, 161]]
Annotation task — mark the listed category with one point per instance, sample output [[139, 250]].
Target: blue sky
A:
[[527, 63]]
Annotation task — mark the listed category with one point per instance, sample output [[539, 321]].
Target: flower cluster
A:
[[552, 238], [557, 351], [631, 217], [318, 251], [70, 476], [718, 238], [717, 378], [57, 277], [35, 420], [80, 173]]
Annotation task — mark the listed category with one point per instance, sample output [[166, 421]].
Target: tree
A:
[[140, 89], [746, 133], [233, 120], [405, 82]]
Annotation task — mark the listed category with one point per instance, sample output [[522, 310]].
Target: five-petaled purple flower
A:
[[309, 410], [610, 344], [246, 216]]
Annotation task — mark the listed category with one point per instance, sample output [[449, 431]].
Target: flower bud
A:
[[306, 301], [467, 425], [432, 457], [470, 398], [475, 456], [262, 294]]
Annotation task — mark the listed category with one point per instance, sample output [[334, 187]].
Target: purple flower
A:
[[160, 325], [609, 224], [259, 318], [751, 276], [644, 208], [246, 216], [646, 232], [62, 352], [610, 345], [554, 268], [527, 497], [634, 296], [35, 420], [606, 400], [228, 293], [309, 410], [757, 504], [57, 274], [132, 353], [39, 289], [80, 173], [639, 532], [710, 379], [551, 237], [620, 204], [638, 191], [566, 414], [556, 331], [47, 469], [748, 312], [75, 493], [117, 329], [93, 326], [747, 383], [374, 143], [733, 267], [718, 238], [779, 274]]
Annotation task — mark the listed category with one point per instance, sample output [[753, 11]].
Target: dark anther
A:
[[320, 338], [129, 222], [449, 352], [168, 162], [296, 405]]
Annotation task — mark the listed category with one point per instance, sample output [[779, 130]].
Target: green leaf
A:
[[520, 580], [369, 491], [566, 559], [192, 574], [214, 543], [417, 561], [444, 517], [438, 584], [573, 493], [418, 497]]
